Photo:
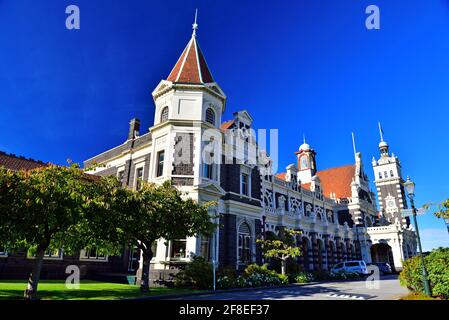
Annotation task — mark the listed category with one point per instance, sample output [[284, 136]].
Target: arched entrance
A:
[[382, 252], [320, 255], [344, 253], [306, 248], [351, 253], [332, 260]]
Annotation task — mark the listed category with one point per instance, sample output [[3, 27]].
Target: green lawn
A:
[[89, 290]]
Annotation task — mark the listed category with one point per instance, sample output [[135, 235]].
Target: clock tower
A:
[[306, 163], [389, 183]]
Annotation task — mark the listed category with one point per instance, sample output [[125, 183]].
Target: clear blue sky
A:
[[300, 66]]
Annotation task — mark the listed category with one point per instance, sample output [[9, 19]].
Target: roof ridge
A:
[[339, 167], [12, 155]]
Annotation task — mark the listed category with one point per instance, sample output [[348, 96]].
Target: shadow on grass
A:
[[88, 291]]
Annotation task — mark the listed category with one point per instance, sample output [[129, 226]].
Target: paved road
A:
[[389, 289]]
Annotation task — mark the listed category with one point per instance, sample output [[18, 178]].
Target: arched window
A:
[[391, 173], [210, 116], [380, 175], [244, 243], [164, 114]]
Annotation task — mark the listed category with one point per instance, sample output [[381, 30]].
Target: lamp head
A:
[[409, 186]]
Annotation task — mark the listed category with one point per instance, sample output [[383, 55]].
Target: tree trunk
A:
[[283, 266], [33, 279], [147, 255]]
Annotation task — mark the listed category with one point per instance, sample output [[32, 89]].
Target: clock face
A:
[[391, 203], [304, 163]]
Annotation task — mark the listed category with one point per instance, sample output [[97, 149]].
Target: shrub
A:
[[197, 274], [344, 275], [256, 276], [411, 274], [302, 277], [225, 282], [437, 264]]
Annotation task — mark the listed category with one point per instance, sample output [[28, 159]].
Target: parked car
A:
[[357, 266], [384, 267]]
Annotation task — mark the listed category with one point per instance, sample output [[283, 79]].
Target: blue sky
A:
[[303, 67]]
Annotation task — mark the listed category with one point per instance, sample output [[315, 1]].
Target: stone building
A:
[[214, 160]]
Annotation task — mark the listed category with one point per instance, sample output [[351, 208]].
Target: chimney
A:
[[134, 127]]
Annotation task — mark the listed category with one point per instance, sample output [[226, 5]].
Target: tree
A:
[[281, 247], [143, 216], [442, 209], [49, 208]]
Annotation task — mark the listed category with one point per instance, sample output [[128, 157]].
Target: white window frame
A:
[[162, 112], [170, 248], [119, 171], [214, 114], [135, 174], [85, 257], [242, 247], [59, 256], [156, 164], [247, 185], [4, 254]]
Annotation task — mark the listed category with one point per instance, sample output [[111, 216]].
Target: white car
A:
[[357, 266]]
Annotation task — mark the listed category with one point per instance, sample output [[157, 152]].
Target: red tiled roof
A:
[[280, 175], [337, 180], [191, 66], [13, 162], [306, 186], [226, 125]]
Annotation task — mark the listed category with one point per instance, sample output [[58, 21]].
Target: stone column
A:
[[347, 256], [329, 254], [315, 253], [339, 253]]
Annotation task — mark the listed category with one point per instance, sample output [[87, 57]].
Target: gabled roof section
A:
[[337, 181], [191, 66], [227, 124], [281, 175], [13, 162]]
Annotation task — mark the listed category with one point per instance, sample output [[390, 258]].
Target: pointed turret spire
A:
[[191, 66], [383, 145]]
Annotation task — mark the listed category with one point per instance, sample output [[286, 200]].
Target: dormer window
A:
[[164, 114], [210, 116]]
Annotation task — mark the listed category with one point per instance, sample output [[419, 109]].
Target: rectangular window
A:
[[245, 186], [160, 164], [205, 248], [244, 248], [92, 254], [139, 178], [53, 254], [121, 176], [208, 171], [3, 251], [178, 249], [133, 259]]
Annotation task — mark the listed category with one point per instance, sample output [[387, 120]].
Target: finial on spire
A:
[[195, 25], [381, 133], [304, 138], [353, 146]]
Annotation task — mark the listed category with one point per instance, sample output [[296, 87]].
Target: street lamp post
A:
[[410, 189]]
